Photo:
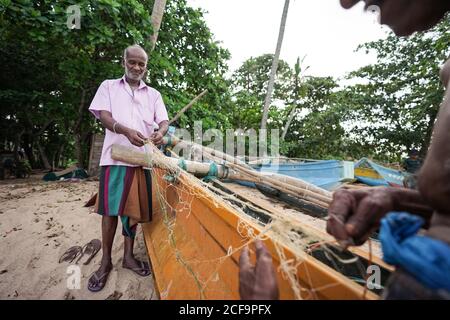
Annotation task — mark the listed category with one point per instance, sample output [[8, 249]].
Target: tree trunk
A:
[[58, 157], [77, 131], [156, 19], [28, 147], [274, 68], [288, 123], [79, 151], [44, 158], [17, 144]]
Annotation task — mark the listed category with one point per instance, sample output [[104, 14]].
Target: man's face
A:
[[135, 64], [405, 17]]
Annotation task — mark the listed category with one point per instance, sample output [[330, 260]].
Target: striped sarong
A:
[[125, 192]]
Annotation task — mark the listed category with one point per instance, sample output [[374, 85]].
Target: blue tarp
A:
[[427, 259]]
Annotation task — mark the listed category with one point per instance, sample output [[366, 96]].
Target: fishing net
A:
[[293, 244]]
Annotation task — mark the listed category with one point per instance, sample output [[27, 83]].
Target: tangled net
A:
[[285, 230]]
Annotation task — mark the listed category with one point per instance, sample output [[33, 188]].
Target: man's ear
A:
[[123, 62]]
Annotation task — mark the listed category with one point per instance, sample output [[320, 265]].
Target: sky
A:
[[320, 29]]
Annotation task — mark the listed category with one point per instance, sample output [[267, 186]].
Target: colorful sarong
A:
[[125, 192]]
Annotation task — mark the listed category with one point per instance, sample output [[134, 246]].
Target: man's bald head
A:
[[134, 49], [405, 17]]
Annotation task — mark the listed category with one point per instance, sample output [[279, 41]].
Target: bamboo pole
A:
[[234, 172], [185, 108], [199, 169], [174, 141], [292, 186]]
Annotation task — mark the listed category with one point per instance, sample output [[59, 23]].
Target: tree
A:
[[298, 92], [157, 15], [51, 72], [273, 71], [397, 107], [249, 84]]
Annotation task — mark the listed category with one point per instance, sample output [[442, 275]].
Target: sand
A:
[[39, 221]]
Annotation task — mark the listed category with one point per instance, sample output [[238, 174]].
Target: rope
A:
[[212, 173]]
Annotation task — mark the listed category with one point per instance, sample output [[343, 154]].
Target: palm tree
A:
[[274, 68], [298, 92], [157, 15]]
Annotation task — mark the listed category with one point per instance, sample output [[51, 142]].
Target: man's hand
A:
[[135, 137], [156, 138], [354, 214], [257, 282]]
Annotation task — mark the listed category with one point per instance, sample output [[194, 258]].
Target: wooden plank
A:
[[95, 153]]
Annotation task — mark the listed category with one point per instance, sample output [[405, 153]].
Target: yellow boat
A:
[[190, 248]]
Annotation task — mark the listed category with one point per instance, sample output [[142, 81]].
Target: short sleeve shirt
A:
[[140, 110]]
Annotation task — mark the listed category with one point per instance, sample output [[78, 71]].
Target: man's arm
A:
[[163, 127], [434, 177], [135, 137], [354, 214]]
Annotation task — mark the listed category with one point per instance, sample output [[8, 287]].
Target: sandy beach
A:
[[39, 221]]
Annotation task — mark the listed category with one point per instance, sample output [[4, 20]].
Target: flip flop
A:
[[70, 254], [98, 280], [143, 270], [91, 248]]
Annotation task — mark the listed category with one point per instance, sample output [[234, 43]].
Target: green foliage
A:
[[50, 72]]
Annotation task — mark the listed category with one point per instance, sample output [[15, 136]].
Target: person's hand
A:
[[257, 282], [135, 137], [354, 214], [156, 138]]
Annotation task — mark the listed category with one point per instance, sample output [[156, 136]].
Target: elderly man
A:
[[423, 261], [129, 110]]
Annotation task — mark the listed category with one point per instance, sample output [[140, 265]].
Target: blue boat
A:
[[373, 174], [326, 174]]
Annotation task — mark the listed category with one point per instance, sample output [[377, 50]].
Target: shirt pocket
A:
[[147, 116]]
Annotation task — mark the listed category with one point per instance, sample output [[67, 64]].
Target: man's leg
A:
[[129, 261], [98, 280]]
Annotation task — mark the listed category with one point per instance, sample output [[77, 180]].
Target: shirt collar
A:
[[142, 84]]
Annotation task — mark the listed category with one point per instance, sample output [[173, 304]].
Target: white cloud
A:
[[320, 29]]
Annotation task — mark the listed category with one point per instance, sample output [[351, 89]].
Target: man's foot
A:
[[140, 267], [98, 279]]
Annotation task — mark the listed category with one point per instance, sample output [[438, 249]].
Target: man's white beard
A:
[[131, 76]]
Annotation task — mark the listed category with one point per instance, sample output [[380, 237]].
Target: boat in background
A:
[[326, 174], [373, 174]]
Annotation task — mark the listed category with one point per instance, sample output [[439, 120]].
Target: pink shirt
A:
[[140, 111]]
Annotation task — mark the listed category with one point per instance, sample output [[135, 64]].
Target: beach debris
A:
[[115, 296], [70, 254], [3, 271], [91, 248], [68, 296]]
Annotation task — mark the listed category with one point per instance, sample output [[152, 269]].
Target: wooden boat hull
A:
[[189, 245]]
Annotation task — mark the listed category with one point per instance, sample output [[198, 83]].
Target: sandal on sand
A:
[[98, 282], [91, 248], [143, 270], [70, 254]]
